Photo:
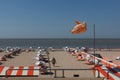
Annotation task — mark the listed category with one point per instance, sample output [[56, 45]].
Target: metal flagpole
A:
[[94, 46], [94, 39]]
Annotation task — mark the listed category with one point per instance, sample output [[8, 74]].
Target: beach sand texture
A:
[[64, 61]]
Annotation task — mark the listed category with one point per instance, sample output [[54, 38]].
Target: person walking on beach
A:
[[53, 61]]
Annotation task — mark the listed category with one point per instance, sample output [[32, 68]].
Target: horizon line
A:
[[59, 38]]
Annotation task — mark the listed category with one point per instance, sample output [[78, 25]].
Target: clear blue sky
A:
[[55, 18]]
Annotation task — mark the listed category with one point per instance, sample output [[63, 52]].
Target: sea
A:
[[61, 42]]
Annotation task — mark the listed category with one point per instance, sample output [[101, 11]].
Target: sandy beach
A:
[[64, 61]]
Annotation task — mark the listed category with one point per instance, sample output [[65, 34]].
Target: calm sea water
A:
[[59, 43]]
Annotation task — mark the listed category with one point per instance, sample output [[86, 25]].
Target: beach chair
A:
[[0, 58], [9, 55], [89, 62], [80, 57], [43, 69], [3, 58]]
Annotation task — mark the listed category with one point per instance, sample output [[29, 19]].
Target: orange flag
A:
[[79, 28]]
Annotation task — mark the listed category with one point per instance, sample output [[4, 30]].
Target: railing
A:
[[64, 70], [50, 71]]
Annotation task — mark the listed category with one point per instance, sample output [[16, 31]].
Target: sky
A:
[[56, 18]]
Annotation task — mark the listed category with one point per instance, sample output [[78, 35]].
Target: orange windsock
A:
[[79, 28], [77, 22]]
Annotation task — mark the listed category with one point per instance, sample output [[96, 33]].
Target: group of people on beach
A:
[[83, 55], [42, 58], [9, 53]]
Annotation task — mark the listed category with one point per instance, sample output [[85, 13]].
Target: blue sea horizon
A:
[[60, 42]]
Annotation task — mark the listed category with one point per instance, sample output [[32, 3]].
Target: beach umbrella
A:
[[37, 58], [79, 28], [37, 63], [118, 58], [40, 53]]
